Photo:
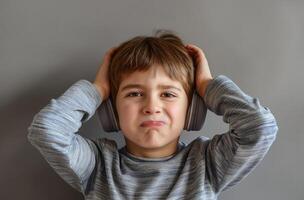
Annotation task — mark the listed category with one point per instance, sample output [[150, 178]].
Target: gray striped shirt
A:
[[200, 170]]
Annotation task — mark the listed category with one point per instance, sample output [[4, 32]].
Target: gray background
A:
[[46, 46]]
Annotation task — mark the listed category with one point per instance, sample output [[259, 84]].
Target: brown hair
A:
[[165, 48]]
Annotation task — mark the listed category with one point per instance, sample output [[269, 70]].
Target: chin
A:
[[151, 143], [154, 144]]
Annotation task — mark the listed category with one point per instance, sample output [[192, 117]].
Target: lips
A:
[[152, 123]]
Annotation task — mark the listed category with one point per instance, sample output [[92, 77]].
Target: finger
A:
[[190, 49], [111, 50], [194, 47], [190, 46], [110, 53]]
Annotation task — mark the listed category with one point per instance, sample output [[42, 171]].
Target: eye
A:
[[137, 94], [169, 95], [133, 94]]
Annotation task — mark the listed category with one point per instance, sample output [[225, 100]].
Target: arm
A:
[[231, 156], [53, 130]]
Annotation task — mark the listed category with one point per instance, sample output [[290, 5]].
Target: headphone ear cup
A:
[[107, 116], [196, 113]]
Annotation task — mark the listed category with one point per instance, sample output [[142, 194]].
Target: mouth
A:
[[151, 123]]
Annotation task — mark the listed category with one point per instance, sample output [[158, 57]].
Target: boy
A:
[[151, 80]]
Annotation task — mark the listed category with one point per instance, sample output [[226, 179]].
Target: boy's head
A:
[[151, 62], [142, 52]]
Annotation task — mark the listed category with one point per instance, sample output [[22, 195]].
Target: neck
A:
[[159, 152]]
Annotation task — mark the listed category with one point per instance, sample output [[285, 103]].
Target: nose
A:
[[151, 105]]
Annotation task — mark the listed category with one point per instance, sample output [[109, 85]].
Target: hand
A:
[[102, 80], [202, 71]]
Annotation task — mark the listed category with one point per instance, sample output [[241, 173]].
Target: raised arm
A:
[[53, 132], [231, 156]]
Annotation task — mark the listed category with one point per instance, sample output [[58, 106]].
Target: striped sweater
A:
[[201, 169]]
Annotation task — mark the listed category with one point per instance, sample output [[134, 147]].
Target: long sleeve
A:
[[231, 156], [53, 133]]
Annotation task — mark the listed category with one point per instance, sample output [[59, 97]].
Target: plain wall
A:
[[46, 46]]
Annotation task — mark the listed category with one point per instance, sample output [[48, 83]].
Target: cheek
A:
[[174, 110], [177, 111], [126, 112]]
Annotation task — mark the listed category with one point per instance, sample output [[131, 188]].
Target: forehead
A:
[[155, 76]]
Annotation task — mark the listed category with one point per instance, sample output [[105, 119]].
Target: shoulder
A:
[[107, 143], [104, 145], [199, 140], [198, 145]]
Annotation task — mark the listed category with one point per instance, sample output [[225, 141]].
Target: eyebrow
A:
[[130, 86]]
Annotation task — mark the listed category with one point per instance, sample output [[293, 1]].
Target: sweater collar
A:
[[123, 150]]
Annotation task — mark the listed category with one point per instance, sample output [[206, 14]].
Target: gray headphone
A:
[[195, 117]]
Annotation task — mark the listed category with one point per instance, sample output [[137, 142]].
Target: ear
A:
[[196, 113], [107, 116]]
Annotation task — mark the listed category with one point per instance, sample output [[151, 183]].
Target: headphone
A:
[[195, 118]]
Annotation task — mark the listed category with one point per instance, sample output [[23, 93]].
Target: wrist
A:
[[99, 89], [203, 86]]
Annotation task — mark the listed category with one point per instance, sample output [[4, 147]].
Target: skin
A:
[[150, 102]]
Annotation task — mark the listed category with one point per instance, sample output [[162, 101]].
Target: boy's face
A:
[[149, 101]]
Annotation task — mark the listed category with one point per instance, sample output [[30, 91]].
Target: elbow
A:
[[31, 136], [259, 130], [34, 130], [267, 129], [269, 121]]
